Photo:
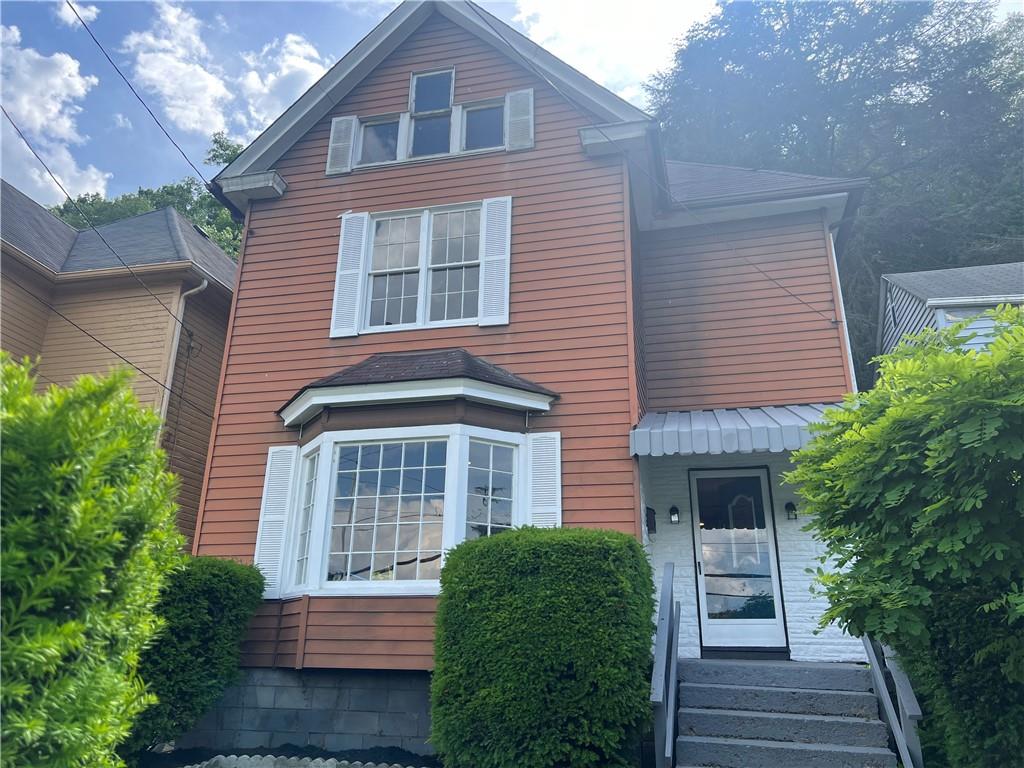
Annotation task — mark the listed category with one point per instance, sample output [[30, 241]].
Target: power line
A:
[[89, 223], [640, 168], [117, 354], [135, 92]]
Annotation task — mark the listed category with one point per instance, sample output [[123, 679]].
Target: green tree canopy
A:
[[923, 98], [188, 196]]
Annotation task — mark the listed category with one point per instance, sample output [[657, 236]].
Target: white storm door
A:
[[737, 566]]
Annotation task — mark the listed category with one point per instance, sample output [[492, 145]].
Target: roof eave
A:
[[718, 201]]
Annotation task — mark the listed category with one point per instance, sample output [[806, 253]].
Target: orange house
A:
[[475, 295]]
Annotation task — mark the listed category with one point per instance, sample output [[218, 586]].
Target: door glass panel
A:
[[735, 549]]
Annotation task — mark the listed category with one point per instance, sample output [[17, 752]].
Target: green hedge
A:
[[542, 650], [206, 608], [87, 536]]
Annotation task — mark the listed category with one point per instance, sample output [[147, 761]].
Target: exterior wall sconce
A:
[[673, 515], [790, 510]]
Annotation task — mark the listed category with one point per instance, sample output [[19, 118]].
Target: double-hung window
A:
[[432, 253], [431, 97]]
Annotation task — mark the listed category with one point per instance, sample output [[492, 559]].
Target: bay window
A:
[[375, 510]]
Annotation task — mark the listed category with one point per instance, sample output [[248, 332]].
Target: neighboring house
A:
[[55, 278], [474, 295], [913, 301]]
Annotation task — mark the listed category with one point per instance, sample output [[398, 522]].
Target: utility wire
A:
[[135, 92], [640, 168], [117, 354], [89, 223]]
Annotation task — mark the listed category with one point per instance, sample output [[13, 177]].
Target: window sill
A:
[[424, 159], [416, 327], [411, 588]]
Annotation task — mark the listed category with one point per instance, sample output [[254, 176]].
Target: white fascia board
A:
[[306, 405], [975, 301], [613, 138], [834, 205]]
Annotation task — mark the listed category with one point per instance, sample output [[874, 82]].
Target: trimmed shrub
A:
[[543, 650], [206, 608], [87, 536], [916, 487]]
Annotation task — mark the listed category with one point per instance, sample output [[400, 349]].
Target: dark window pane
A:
[[348, 455], [431, 135], [387, 509], [437, 306], [430, 565], [363, 539], [392, 456], [476, 509], [414, 454], [405, 567], [408, 536], [360, 567], [501, 512], [479, 482], [410, 509], [389, 480], [501, 484], [434, 482], [437, 453], [340, 538], [502, 458], [385, 537], [369, 457], [485, 128], [343, 512], [380, 142], [367, 485], [337, 565], [479, 454], [412, 481], [432, 92], [346, 484]]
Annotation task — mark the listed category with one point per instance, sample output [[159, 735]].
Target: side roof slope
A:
[[156, 237], [963, 282]]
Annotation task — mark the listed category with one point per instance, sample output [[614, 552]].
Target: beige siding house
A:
[[67, 300]]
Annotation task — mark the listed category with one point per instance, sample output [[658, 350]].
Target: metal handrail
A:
[[664, 684], [903, 716]]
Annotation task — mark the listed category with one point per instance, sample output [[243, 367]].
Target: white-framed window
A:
[[379, 140], [431, 95], [483, 126], [441, 266], [374, 511]]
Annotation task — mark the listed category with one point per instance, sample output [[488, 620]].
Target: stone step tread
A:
[[737, 687], [786, 716], [846, 676], [777, 664], [773, 753]]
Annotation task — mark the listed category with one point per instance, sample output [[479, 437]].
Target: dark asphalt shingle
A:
[[705, 183], [963, 282]]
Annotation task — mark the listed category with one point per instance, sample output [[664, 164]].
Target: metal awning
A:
[[770, 429]]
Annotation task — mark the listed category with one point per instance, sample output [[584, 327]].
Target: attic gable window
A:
[[379, 141], [431, 98]]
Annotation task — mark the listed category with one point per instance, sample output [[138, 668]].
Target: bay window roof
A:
[[397, 377]]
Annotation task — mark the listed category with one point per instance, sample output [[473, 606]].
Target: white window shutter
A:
[[544, 460], [519, 119], [270, 536], [495, 260], [339, 148], [349, 277]]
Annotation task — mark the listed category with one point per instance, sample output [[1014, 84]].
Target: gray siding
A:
[[903, 313]]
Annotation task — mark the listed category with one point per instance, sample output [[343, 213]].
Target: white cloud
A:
[[369, 9], [618, 47], [278, 74], [121, 121], [42, 95], [173, 62], [67, 16]]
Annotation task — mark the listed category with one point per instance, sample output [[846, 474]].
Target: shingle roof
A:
[[385, 367], [32, 229], [156, 237], [703, 183], [963, 282]]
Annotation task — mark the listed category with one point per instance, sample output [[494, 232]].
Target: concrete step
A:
[[774, 726], [827, 676], [755, 753], [773, 699]]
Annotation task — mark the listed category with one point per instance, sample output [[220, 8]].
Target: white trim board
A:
[[311, 401], [323, 95]]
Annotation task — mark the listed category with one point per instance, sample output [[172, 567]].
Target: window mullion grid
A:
[[322, 511]]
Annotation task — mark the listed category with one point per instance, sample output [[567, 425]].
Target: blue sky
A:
[[235, 66]]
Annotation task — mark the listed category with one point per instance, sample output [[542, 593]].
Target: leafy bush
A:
[[206, 608], [916, 488], [543, 649], [88, 534]]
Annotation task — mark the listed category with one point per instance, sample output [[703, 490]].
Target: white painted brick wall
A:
[[664, 481]]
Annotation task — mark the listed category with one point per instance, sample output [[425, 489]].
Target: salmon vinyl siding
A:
[[568, 329], [741, 315]]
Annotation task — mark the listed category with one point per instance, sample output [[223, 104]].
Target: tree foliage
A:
[[916, 487], [88, 535], [925, 99], [542, 650], [206, 607], [188, 196]]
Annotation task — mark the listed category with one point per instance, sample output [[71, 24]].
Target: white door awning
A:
[[771, 429]]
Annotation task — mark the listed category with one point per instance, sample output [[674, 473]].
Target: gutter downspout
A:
[[174, 351]]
